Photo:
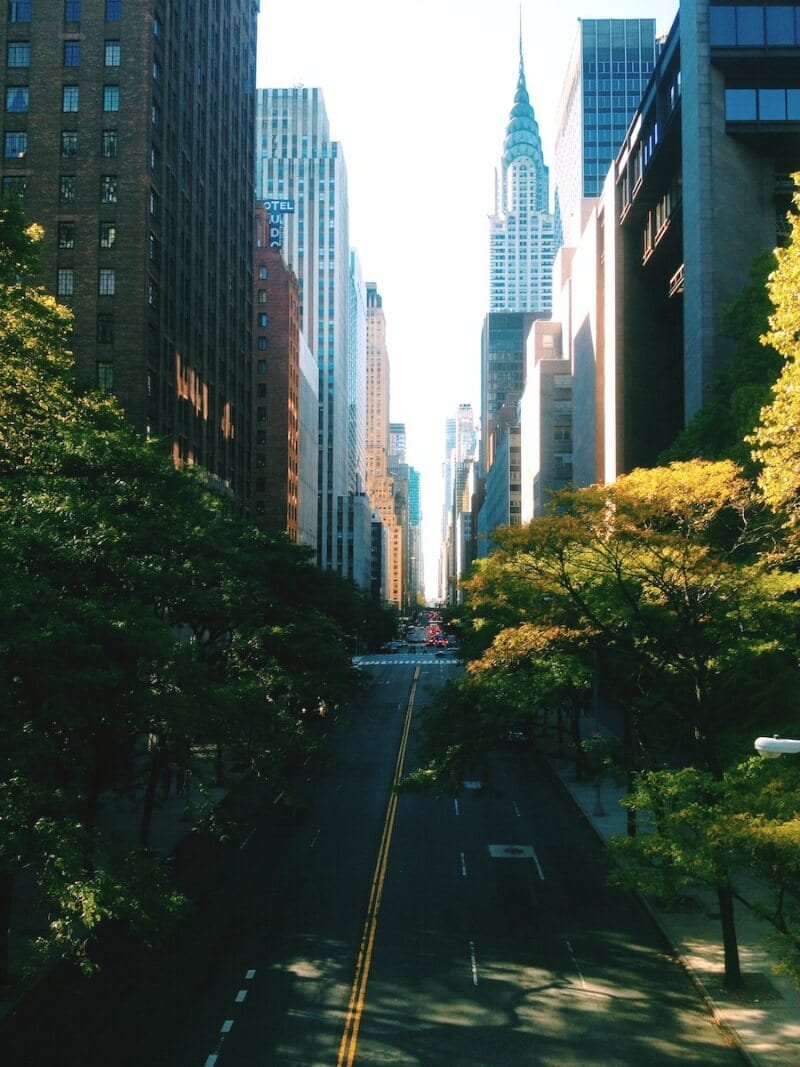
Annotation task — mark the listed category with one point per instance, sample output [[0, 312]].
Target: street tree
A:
[[775, 441]]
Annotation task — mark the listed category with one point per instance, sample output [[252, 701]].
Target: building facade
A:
[[702, 186], [131, 141], [298, 165], [276, 387], [380, 483], [608, 70]]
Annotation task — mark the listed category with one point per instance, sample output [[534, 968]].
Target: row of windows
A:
[[67, 233], [112, 53], [106, 282], [754, 26], [109, 144], [21, 10], [762, 105]]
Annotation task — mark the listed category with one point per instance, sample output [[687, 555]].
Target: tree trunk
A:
[[148, 804], [575, 734], [630, 822], [6, 897], [733, 970]]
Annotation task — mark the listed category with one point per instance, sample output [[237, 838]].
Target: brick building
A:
[[128, 131], [276, 386]]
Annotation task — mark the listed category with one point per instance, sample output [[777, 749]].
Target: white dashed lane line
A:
[[227, 1025]]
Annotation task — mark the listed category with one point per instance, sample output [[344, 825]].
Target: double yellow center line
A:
[[355, 1007]]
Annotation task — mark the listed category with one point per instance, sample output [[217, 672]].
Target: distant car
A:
[[441, 652]]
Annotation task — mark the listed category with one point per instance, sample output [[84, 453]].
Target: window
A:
[[113, 10], [105, 375], [108, 188], [772, 105], [108, 234], [261, 414], [106, 282], [750, 25], [740, 105], [105, 329], [69, 143], [110, 98], [69, 98], [72, 53], [66, 235], [18, 54], [19, 11], [261, 437], [262, 319], [780, 25], [16, 145], [13, 185], [157, 27], [66, 282], [109, 145], [67, 188], [263, 273], [261, 367], [261, 298], [261, 344], [17, 98], [72, 10], [112, 54]]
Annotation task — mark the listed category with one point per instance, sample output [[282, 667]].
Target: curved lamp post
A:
[[772, 747]]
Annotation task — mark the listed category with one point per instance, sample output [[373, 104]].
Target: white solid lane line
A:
[[538, 865], [474, 962]]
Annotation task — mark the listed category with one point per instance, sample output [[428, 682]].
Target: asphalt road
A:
[[384, 928]]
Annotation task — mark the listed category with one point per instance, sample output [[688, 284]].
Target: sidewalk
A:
[[764, 1020]]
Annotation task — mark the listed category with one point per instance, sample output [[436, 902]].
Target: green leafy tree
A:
[[658, 576], [776, 446]]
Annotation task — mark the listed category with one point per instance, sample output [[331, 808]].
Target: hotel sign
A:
[[276, 209]]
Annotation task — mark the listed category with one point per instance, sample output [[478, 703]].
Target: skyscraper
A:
[[131, 141], [298, 166], [521, 228], [609, 67], [380, 489]]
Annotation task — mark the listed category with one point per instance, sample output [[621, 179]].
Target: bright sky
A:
[[418, 94]]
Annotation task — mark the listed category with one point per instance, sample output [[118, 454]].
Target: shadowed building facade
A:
[[130, 139]]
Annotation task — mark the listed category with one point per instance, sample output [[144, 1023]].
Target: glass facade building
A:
[[610, 65]]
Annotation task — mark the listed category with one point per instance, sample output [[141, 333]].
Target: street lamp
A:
[[772, 747]]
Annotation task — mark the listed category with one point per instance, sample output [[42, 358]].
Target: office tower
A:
[[609, 67], [503, 361], [447, 496], [416, 583], [131, 142], [521, 229], [380, 485], [356, 378], [299, 166], [458, 543], [276, 386]]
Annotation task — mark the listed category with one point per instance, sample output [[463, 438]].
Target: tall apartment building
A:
[[276, 386], [380, 484], [521, 229], [128, 133], [298, 164], [608, 69]]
